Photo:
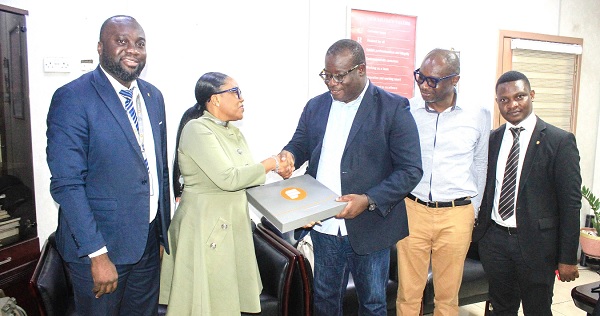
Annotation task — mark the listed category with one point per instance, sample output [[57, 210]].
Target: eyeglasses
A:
[[431, 81], [237, 91], [337, 78]]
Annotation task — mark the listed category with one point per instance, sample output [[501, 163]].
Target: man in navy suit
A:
[[523, 243], [107, 153], [362, 143]]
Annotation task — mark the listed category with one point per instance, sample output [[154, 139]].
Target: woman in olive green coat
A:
[[212, 267]]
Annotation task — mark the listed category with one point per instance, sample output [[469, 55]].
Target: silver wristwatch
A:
[[372, 204]]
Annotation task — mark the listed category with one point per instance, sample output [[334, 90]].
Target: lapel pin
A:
[[148, 93], [537, 143]]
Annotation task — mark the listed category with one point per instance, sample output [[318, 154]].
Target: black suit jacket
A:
[[549, 199], [382, 158]]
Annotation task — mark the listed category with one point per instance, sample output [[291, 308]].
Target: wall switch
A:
[[87, 65], [57, 64]]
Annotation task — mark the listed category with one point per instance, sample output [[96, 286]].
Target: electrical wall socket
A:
[[57, 64]]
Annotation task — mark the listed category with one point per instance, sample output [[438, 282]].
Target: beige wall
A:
[[580, 19]]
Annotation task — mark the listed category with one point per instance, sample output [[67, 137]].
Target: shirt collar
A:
[[430, 110], [528, 123], [209, 116], [356, 102], [420, 103], [117, 85]]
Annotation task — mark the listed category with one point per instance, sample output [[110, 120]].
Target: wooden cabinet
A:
[[19, 255], [17, 262]]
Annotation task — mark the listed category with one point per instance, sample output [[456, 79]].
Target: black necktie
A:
[[506, 205]]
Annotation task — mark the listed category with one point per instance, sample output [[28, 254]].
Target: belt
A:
[[458, 202], [509, 230]]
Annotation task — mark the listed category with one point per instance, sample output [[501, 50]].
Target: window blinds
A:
[[552, 75]]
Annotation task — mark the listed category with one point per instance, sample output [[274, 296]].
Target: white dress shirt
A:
[[339, 123], [454, 149], [507, 140]]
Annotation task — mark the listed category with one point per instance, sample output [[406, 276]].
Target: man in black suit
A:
[[527, 236]]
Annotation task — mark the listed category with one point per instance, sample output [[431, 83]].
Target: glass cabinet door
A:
[[17, 201]]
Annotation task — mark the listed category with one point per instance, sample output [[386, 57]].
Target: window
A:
[[552, 65]]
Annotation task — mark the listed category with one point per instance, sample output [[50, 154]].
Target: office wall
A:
[[275, 49]]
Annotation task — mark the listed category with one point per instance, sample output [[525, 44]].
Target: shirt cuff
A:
[[96, 253]]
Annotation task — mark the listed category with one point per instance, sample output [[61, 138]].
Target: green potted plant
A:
[[589, 237]]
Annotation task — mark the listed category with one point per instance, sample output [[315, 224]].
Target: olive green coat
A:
[[212, 267]]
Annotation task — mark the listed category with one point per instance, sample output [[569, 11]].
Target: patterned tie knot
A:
[[128, 94], [516, 131]]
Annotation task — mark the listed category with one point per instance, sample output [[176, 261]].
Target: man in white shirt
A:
[[441, 209]]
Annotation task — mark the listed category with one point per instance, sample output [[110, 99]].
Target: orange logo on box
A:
[[293, 193]]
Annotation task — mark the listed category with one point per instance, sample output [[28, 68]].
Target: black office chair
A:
[[50, 284], [275, 266], [300, 302]]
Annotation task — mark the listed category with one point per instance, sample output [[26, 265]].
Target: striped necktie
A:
[[128, 94], [506, 205]]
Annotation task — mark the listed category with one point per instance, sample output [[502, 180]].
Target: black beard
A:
[[116, 70]]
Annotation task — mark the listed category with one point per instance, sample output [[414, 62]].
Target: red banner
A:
[[389, 44]]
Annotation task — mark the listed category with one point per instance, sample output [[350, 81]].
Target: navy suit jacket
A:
[[549, 198], [382, 158], [99, 178]]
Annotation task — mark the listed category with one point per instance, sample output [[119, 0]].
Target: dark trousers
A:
[[511, 280], [137, 289]]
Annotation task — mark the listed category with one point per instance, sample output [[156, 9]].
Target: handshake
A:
[[282, 164]]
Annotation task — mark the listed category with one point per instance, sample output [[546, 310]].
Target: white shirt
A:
[[454, 150], [507, 140], [338, 127]]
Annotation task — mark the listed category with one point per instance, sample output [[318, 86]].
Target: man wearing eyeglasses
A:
[[362, 143], [441, 209]]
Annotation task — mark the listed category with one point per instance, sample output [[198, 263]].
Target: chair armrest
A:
[[302, 278], [289, 237]]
